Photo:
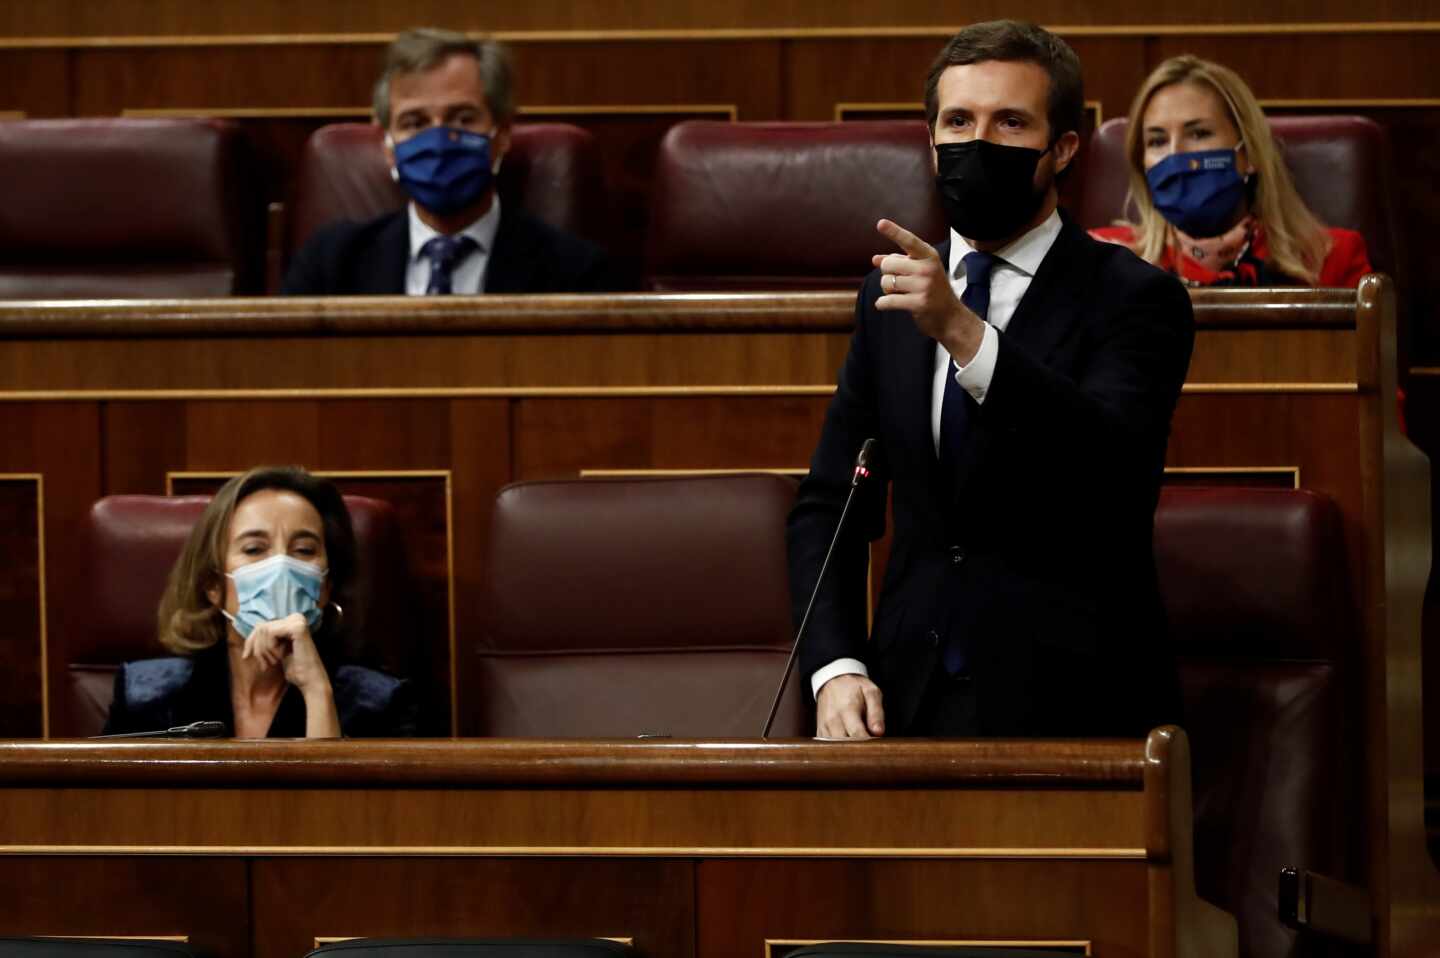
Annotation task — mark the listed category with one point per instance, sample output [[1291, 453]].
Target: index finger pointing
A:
[[906, 240]]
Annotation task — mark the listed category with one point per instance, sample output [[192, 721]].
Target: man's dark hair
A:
[[1013, 40]]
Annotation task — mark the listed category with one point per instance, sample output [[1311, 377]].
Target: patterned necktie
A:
[[955, 412], [444, 252]]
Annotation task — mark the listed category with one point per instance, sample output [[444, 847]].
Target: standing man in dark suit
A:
[[446, 104], [1019, 379]]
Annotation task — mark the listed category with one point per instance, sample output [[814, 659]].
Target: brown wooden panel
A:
[[22, 628], [559, 438], [205, 901], [109, 81], [179, 18], [60, 441], [742, 904], [298, 900], [36, 82], [1351, 65]]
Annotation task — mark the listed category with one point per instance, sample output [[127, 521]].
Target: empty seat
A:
[[785, 206], [1256, 590], [618, 607], [552, 171], [1339, 163], [133, 541], [126, 208]]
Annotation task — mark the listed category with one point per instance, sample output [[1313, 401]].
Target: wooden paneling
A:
[[744, 904], [652, 902], [37, 82], [205, 902], [22, 613], [61, 442], [78, 18]]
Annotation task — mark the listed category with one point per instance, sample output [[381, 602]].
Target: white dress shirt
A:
[[1009, 279], [468, 276]]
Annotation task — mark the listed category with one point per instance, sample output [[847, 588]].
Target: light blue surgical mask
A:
[[274, 588]]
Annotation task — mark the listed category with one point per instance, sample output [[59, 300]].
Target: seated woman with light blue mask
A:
[[249, 607]]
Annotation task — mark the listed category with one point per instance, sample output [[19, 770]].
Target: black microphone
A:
[[193, 730], [861, 473]]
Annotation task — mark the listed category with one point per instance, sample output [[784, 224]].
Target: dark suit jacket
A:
[[370, 258], [154, 694], [1040, 560]]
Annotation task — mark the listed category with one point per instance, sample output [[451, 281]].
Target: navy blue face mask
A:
[[1199, 192], [444, 168]]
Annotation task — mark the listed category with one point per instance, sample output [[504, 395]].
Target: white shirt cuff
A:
[[838, 667], [975, 377]]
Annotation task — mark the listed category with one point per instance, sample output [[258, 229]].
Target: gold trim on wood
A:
[[39, 479], [1353, 103], [730, 111], [12, 114], [796, 471], [548, 392], [608, 851], [447, 475], [852, 106], [1293, 471], [937, 31], [183, 939], [248, 113], [1079, 947], [320, 941]]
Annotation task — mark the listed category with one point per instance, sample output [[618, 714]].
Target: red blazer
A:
[[1346, 262]]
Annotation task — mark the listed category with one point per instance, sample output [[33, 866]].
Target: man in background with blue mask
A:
[[446, 105]]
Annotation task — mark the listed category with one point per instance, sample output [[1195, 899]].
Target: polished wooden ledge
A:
[[558, 314], [1114, 764]]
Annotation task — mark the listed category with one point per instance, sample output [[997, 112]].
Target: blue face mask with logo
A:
[[444, 168], [1199, 192], [274, 588]]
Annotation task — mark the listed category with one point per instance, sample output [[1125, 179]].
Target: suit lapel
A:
[[1047, 314], [383, 268], [515, 259], [1048, 310]]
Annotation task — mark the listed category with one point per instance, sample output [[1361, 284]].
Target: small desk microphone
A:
[[861, 473], [193, 730]]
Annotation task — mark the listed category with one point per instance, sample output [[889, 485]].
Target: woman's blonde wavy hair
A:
[[1297, 240]]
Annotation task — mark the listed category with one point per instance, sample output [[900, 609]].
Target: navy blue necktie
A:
[[444, 252], [955, 412], [956, 408]]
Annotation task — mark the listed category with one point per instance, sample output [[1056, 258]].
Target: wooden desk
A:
[[689, 848]]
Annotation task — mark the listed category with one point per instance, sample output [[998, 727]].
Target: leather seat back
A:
[[552, 171], [133, 541], [785, 206], [1255, 585], [127, 208], [624, 606]]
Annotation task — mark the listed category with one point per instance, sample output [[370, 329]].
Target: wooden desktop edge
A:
[[492, 762]]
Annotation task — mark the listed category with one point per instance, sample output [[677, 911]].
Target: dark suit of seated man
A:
[[446, 105], [1019, 380]]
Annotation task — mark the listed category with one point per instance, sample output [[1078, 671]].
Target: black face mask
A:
[[988, 190]]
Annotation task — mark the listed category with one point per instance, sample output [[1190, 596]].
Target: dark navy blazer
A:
[[154, 694]]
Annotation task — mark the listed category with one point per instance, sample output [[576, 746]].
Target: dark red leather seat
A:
[[134, 540], [1340, 165], [552, 171], [1267, 633], [624, 606], [127, 208], [777, 206]]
